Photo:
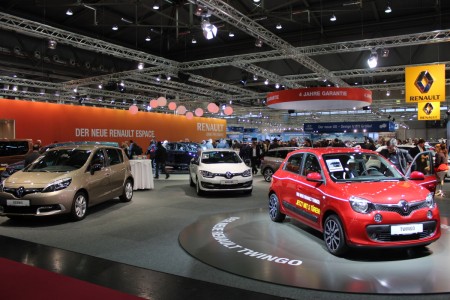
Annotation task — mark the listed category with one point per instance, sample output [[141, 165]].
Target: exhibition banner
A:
[[429, 111], [50, 122], [425, 83], [376, 126]]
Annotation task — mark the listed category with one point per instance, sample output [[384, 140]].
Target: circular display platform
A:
[[249, 244]]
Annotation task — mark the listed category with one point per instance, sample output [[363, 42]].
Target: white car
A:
[[217, 170]]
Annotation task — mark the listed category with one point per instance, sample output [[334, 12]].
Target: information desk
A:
[[142, 173]]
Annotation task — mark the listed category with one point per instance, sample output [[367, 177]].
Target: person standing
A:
[[400, 158], [422, 162], [160, 159], [255, 157], [440, 166]]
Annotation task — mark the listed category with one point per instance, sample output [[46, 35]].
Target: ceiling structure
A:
[[286, 44]]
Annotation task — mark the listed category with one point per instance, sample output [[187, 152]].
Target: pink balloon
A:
[[181, 110], [162, 101], [213, 108], [189, 115], [133, 109], [199, 112], [228, 110], [172, 105], [153, 103]]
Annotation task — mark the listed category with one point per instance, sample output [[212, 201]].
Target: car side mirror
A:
[[314, 176], [96, 167], [416, 175]]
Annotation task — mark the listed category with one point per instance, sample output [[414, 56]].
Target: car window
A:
[[311, 164], [10, 148], [62, 160], [360, 167], [98, 158], [218, 157], [115, 156], [293, 163], [283, 153]]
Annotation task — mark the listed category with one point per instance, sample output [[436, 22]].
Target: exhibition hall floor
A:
[[160, 246]]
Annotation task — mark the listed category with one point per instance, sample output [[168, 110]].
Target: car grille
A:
[[208, 185], [13, 191], [382, 233], [399, 208]]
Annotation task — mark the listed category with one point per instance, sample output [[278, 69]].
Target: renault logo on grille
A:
[[20, 191], [404, 205], [228, 175], [424, 82]]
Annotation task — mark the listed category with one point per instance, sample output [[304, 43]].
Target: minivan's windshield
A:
[[62, 160], [344, 167]]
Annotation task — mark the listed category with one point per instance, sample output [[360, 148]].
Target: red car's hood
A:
[[384, 192]]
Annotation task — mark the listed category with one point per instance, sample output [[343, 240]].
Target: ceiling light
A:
[[333, 18], [231, 34], [384, 52], [266, 82], [209, 30], [168, 77], [115, 27], [52, 44], [388, 9], [373, 59], [69, 12], [277, 85], [258, 43], [255, 77], [148, 38], [388, 93], [156, 5], [256, 1], [279, 26], [140, 66], [194, 41]]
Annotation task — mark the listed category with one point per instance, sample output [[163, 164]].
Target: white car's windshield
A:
[[220, 157], [63, 160], [344, 167]]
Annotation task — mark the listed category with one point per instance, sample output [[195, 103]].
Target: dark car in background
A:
[[180, 154], [272, 160], [13, 150]]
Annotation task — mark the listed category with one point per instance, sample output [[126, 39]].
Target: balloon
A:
[[189, 115], [153, 103], [172, 105], [162, 101], [181, 110], [133, 109], [213, 108], [199, 112], [228, 110]]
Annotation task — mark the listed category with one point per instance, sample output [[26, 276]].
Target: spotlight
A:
[[266, 82], [115, 27], [148, 38], [209, 30], [244, 80], [231, 34], [258, 43], [256, 1], [140, 66], [69, 12], [388, 93], [388, 9], [156, 5], [373, 59], [52, 44], [279, 26], [255, 77], [384, 52], [121, 87], [194, 41], [333, 18], [277, 85]]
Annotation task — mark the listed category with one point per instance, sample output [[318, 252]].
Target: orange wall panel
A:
[[51, 122]]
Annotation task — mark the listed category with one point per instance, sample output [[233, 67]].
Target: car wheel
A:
[[198, 189], [79, 206], [267, 174], [191, 182], [334, 236], [274, 209], [127, 191]]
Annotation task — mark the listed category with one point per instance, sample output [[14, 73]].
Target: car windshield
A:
[[220, 157], [345, 167], [62, 160]]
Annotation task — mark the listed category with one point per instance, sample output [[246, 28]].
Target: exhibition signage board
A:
[[307, 99], [425, 85], [376, 126], [52, 122]]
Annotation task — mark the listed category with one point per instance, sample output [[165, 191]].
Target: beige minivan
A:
[[67, 180]]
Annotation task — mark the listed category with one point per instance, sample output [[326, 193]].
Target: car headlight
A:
[[247, 173], [57, 185], [207, 174], [360, 205], [430, 200]]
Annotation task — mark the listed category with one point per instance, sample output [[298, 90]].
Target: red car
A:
[[356, 198]]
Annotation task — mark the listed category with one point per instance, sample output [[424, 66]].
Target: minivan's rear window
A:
[[11, 148]]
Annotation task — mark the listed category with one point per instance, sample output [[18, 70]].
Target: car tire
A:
[[248, 192], [79, 206], [334, 236], [127, 191], [199, 191], [274, 209], [267, 174], [191, 182]]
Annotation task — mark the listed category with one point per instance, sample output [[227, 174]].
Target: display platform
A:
[[249, 244]]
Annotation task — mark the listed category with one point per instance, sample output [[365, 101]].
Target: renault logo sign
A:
[[20, 191], [424, 81]]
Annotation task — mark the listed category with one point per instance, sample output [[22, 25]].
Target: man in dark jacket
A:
[[398, 157], [160, 160]]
